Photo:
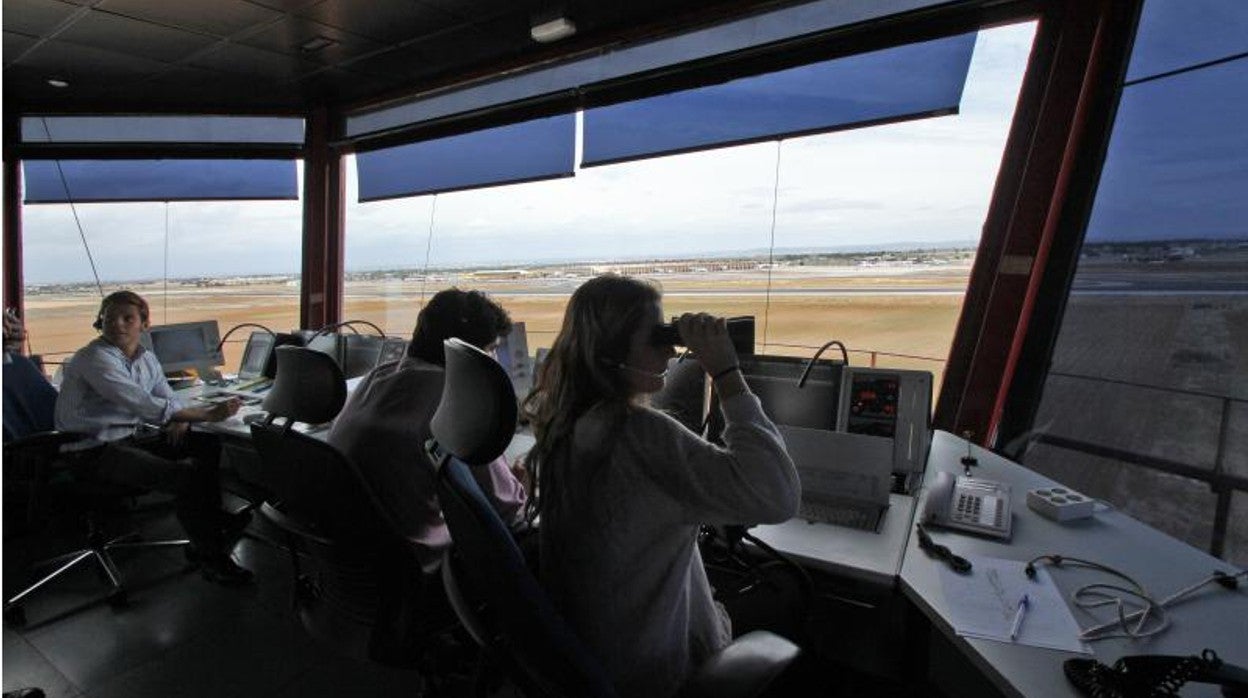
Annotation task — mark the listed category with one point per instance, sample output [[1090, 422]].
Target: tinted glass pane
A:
[[1177, 34], [532, 150], [1147, 392], [923, 78], [60, 181], [229, 261], [162, 129], [1177, 165], [863, 235]]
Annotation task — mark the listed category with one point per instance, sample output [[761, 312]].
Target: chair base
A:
[[98, 550]]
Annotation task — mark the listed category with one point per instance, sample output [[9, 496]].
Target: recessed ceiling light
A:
[[316, 43], [57, 82], [554, 30]]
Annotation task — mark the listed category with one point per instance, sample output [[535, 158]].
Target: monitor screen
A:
[[256, 355], [185, 345], [774, 380]]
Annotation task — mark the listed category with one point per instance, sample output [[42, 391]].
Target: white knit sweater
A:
[[619, 551]]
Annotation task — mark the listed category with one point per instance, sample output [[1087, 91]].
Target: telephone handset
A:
[[969, 504]]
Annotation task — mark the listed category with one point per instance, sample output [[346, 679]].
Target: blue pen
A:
[[1018, 617]]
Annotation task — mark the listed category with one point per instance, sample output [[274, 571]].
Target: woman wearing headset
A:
[[622, 488]]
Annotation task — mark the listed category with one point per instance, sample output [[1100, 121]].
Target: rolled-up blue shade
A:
[[157, 180], [1177, 165], [523, 152], [1177, 34], [892, 84]]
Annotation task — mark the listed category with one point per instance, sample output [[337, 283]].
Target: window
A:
[[866, 236], [230, 261], [1146, 400]]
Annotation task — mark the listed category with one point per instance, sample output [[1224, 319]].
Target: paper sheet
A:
[[983, 605]]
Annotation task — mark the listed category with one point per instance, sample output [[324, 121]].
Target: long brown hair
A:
[[582, 372]]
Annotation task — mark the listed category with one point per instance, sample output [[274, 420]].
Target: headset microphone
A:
[[649, 374]]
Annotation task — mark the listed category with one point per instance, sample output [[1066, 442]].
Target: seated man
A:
[[383, 427], [111, 389]]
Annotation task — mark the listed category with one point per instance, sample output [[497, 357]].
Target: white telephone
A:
[[969, 504]]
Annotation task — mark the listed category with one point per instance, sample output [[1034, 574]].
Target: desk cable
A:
[[1133, 624]]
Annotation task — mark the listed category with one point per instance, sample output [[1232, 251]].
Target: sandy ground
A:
[[893, 328]]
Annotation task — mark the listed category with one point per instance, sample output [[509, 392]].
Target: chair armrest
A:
[[743, 669]]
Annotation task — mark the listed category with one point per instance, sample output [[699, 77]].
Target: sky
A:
[[924, 182]]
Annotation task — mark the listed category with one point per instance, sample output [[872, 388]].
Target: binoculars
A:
[[740, 331]]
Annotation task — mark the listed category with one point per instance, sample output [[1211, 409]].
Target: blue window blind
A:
[[892, 84], [523, 152], [163, 129], [64, 181], [1177, 165], [1177, 34]]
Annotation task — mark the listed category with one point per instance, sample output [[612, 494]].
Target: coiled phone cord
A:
[[1133, 624]]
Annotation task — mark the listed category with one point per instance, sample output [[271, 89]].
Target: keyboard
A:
[[863, 518]]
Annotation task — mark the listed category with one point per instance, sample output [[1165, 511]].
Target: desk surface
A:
[[872, 557], [1214, 618]]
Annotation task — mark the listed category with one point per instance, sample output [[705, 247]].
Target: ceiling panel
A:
[[289, 34], [35, 17], [217, 17], [285, 5], [209, 89], [119, 33], [385, 22], [82, 64], [244, 54], [245, 60], [15, 45]]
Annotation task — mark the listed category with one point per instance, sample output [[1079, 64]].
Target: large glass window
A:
[[866, 236], [230, 261], [1146, 400]]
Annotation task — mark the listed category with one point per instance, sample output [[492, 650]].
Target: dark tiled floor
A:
[[181, 635]]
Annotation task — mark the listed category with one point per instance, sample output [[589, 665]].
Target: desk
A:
[[1215, 618], [848, 552]]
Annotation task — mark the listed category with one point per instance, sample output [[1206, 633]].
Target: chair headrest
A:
[[476, 418], [309, 386]]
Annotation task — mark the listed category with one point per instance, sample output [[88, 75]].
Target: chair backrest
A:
[[476, 419], [683, 395], [368, 583], [29, 399], [309, 386]]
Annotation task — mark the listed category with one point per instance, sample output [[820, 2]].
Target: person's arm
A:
[[208, 413], [751, 479], [504, 489]]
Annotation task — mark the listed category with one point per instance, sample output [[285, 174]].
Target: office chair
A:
[[491, 589], [33, 462], [363, 591]]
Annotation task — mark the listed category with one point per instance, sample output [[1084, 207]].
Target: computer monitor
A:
[[256, 355], [513, 354], [360, 353], [185, 345]]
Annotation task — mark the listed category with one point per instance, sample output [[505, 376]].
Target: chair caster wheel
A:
[[15, 616], [118, 599]]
